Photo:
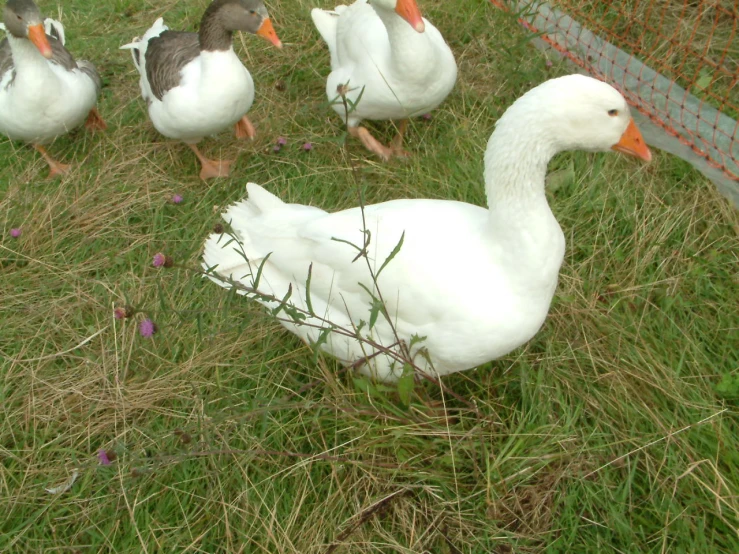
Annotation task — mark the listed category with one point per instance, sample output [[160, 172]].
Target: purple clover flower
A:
[[147, 328], [103, 457], [159, 259], [177, 199], [308, 146], [15, 233]]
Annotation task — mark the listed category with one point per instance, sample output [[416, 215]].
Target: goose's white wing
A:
[[421, 285]]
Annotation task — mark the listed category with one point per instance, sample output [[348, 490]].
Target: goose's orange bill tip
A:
[[632, 143], [409, 10], [267, 31]]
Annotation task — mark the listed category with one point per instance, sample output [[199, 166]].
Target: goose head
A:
[[407, 9], [576, 112], [244, 15], [23, 20]]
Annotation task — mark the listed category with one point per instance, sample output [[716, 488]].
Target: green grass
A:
[[613, 430]]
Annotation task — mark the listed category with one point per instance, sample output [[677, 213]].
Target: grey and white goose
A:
[[194, 83], [44, 92]]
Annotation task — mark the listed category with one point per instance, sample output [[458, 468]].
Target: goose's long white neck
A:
[[410, 50], [30, 65], [520, 219], [516, 161]]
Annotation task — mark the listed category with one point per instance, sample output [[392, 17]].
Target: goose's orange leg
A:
[[371, 143], [211, 168], [95, 121], [55, 168], [396, 146], [245, 129]]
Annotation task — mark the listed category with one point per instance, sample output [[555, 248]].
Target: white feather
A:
[[64, 487]]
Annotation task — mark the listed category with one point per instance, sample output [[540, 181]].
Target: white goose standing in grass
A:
[[387, 54], [475, 282], [194, 83], [44, 92]]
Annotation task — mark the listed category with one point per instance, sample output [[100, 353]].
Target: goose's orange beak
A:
[[267, 31], [632, 143], [408, 10], [37, 35]]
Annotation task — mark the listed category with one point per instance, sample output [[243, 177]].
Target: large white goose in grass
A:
[[475, 282], [194, 83], [388, 61], [44, 92]]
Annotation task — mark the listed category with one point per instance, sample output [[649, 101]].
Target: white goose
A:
[[44, 92], [389, 55], [475, 282], [194, 83]]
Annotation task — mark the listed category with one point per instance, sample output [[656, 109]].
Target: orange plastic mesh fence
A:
[[676, 61]]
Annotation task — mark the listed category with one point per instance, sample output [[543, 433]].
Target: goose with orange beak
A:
[[44, 92], [194, 83], [387, 63], [475, 282]]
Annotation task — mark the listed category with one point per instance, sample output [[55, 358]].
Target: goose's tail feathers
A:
[[226, 254], [138, 45], [54, 28]]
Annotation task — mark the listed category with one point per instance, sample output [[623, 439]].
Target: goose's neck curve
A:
[[411, 53], [213, 35], [516, 160], [520, 221]]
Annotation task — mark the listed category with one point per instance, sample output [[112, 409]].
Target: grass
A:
[[611, 431]]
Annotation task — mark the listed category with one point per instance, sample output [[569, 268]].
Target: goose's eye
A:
[[613, 113], [252, 12]]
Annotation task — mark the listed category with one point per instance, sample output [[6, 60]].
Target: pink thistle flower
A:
[[276, 148], [308, 147], [177, 199], [15, 233], [548, 63], [147, 328], [426, 116], [281, 141], [103, 457], [161, 260]]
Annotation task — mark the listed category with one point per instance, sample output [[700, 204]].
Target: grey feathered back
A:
[[166, 55], [92, 71], [171, 51], [60, 55], [6, 58]]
